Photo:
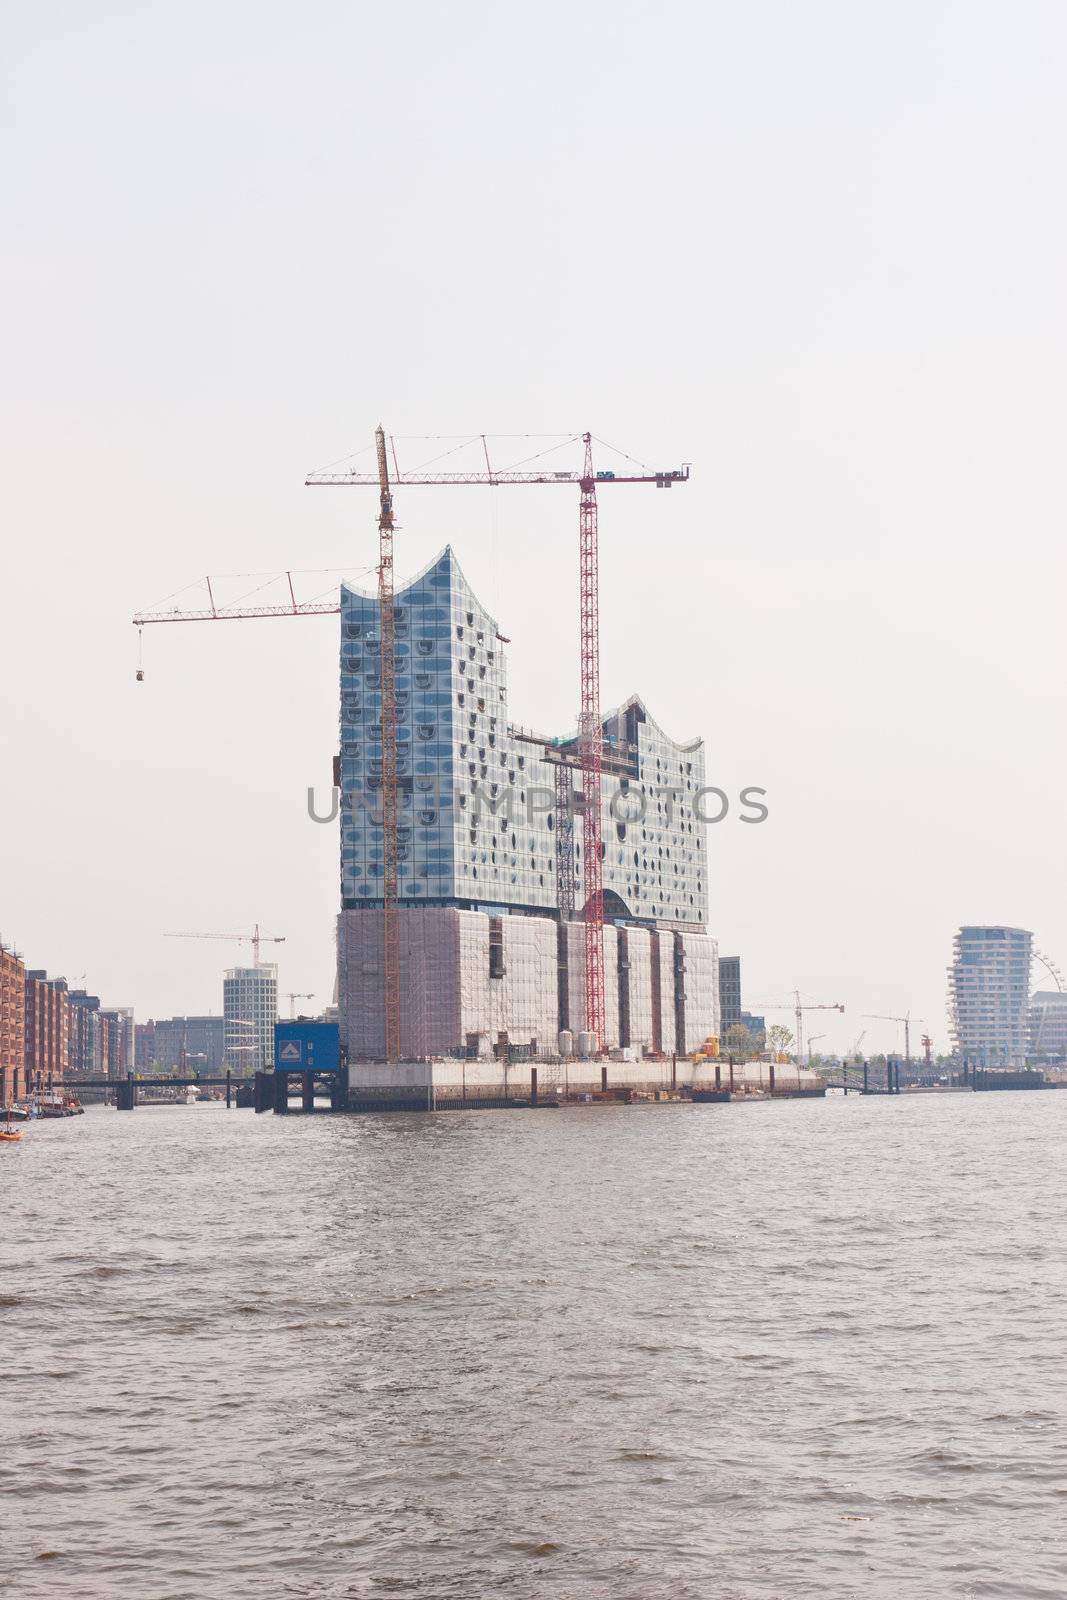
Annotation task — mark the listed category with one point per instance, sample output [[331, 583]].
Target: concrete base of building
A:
[[481, 1085]]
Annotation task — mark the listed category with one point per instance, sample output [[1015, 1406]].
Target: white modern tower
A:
[[989, 995], [250, 1010]]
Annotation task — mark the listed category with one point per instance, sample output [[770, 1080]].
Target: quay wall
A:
[[422, 1084]]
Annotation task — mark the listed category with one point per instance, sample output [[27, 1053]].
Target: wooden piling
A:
[[533, 1086]]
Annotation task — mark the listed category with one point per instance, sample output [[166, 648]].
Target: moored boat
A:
[[56, 1104]]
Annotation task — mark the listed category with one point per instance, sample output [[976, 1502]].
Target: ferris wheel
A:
[[1051, 968]]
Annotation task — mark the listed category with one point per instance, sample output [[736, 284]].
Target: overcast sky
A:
[[816, 249]]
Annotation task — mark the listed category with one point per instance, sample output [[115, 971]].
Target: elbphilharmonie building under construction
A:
[[489, 862]]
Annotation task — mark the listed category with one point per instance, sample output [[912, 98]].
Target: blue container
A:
[[307, 1047]]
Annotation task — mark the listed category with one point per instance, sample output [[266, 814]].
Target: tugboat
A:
[[56, 1104]]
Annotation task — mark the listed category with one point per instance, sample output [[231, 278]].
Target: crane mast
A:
[[387, 642], [590, 747]]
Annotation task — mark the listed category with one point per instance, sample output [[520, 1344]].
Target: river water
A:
[[784, 1349]]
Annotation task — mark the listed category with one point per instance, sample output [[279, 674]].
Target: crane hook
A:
[[140, 653]]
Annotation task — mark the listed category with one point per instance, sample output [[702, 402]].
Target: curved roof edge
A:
[[636, 700], [446, 550]]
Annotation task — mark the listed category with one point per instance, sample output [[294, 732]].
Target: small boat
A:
[[56, 1103], [10, 1135]]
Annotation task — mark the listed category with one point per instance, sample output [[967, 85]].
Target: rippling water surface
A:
[[633, 1353]]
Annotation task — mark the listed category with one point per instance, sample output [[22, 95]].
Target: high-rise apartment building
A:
[[250, 1010], [989, 995], [489, 813], [729, 992]]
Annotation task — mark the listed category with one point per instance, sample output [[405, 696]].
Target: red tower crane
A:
[[590, 738]]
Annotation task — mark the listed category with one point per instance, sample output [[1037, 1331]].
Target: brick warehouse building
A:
[[12, 1024], [47, 1044]]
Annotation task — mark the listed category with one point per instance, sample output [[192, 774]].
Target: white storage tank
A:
[[566, 1042], [585, 1045]]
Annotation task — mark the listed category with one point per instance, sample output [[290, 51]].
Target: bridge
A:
[[263, 1091], [126, 1089]]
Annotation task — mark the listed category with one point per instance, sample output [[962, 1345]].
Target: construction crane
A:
[[215, 613], [255, 939], [798, 1008], [293, 995], [589, 725], [872, 1016], [387, 679], [590, 734], [855, 1050]]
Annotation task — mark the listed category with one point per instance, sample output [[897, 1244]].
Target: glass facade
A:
[[477, 814]]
